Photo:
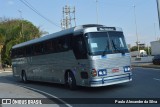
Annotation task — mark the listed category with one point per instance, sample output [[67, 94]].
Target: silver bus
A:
[[88, 55]]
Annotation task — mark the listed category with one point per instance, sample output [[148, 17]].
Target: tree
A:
[[134, 48], [147, 49], [15, 31]]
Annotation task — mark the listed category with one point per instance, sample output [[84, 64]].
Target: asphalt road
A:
[[145, 84]]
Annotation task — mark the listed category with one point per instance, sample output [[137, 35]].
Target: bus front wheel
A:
[[24, 77], [71, 81]]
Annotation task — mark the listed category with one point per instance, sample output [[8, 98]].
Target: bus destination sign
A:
[[106, 28]]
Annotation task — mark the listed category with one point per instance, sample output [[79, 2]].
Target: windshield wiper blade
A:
[[116, 49], [104, 52], [106, 47], [114, 45]]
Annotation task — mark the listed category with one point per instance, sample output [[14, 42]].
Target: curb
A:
[[1, 71], [146, 66]]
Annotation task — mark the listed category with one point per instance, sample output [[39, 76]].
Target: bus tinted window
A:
[[48, 47], [13, 53], [61, 44], [20, 52], [29, 50], [38, 49], [79, 47]]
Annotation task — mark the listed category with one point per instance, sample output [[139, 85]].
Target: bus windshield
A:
[[101, 43]]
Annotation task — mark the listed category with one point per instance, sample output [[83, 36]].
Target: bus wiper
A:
[[104, 52], [115, 47]]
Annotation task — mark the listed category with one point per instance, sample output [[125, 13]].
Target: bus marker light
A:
[[94, 72]]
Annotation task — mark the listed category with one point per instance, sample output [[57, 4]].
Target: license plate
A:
[[115, 70]]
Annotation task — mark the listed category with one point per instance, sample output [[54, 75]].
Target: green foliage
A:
[[135, 48], [148, 50], [13, 32]]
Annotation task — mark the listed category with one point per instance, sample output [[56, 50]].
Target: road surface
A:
[[145, 84]]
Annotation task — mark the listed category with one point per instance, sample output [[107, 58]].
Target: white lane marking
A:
[[156, 79], [47, 94]]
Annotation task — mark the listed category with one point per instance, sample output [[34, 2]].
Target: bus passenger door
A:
[[80, 53]]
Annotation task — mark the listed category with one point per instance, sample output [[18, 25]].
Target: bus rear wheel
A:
[[71, 81], [24, 77]]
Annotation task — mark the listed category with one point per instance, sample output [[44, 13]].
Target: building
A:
[[142, 45], [155, 47]]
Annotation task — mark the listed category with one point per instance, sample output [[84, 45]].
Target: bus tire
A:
[[71, 81], [24, 77]]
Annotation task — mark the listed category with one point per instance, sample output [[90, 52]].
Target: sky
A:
[[118, 13]]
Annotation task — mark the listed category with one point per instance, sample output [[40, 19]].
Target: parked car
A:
[[156, 60]]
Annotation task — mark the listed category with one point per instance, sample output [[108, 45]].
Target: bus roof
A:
[[73, 30]]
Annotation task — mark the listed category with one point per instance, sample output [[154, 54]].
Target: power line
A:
[[37, 12]]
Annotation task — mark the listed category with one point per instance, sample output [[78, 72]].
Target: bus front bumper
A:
[[105, 81]]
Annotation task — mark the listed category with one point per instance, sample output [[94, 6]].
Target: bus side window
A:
[[60, 44], [63, 44], [54, 45], [13, 53], [66, 43], [21, 52], [48, 47], [29, 50], [38, 49], [79, 47]]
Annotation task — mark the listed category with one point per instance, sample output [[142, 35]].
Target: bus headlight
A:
[[127, 69], [102, 72]]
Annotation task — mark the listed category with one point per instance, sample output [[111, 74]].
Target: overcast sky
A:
[[118, 13]]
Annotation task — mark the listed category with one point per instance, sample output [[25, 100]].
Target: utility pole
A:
[[97, 10], [21, 23], [137, 42], [155, 31], [158, 10], [68, 13]]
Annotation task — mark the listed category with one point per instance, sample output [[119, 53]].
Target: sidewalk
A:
[[6, 70], [145, 65], [16, 95], [145, 62]]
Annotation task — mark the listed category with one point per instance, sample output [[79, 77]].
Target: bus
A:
[[89, 55]]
